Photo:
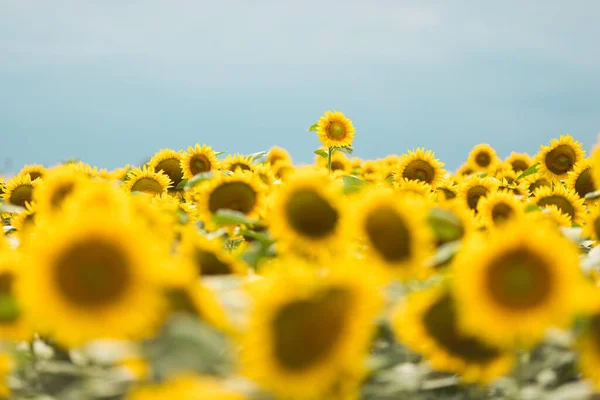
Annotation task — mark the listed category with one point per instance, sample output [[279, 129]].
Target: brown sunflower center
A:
[[388, 234], [563, 204], [483, 159], [448, 194], [337, 165], [474, 194], [209, 264], [147, 185], [336, 131], [199, 163], [310, 214], [239, 165], [584, 183], [561, 159], [172, 168], [93, 272], [21, 195], [419, 170], [35, 174], [519, 279], [441, 324], [60, 194], [519, 165], [502, 212], [236, 195], [9, 308], [306, 332]]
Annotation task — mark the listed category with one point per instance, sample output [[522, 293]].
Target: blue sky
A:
[[111, 82]]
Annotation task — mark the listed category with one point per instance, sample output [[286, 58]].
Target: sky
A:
[[112, 82]]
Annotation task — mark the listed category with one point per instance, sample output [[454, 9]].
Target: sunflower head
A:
[[169, 162], [264, 172], [335, 130], [234, 162], [339, 162], [198, 159], [580, 179], [550, 215], [591, 227], [464, 171], [474, 188], [24, 221], [420, 165], [19, 190], [372, 171], [119, 174], [447, 190], [559, 157], [58, 185], [35, 171], [567, 201], [147, 181], [415, 188], [278, 154], [483, 158], [498, 208], [518, 162]]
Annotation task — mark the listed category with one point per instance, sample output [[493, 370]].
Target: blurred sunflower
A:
[[558, 158], [580, 179], [147, 181], [595, 162], [515, 284], [335, 130], [59, 183], [396, 232], [24, 221], [428, 324], [536, 181], [265, 174], [277, 154], [372, 171], [339, 162], [87, 281], [591, 228], [7, 365], [498, 208], [550, 215], [233, 162], [19, 190], [518, 162], [447, 190], [169, 162], [588, 346], [185, 387], [420, 165], [15, 325], [483, 158], [517, 188], [565, 199], [119, 174], [473, 188], [464, 171], [279, 348], [199, 159], [415, 188], [35, 171]]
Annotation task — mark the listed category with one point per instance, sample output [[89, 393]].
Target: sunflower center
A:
[[336, 131], [92, 273], [9, 308], [474, 194], [171, 167], [448, 194], [199, 163], [237, 196], [337, 165], [563, 204], [501, 212], [519, 279], [388, 234], [441, 324], [310, 214], [584, 183], [483, 160], [306, 332], [21, 195], [561, 159], [147, 185], [242, 166], [209, 264], [34, 175], [519, 165], [419, 170], [60, 194]]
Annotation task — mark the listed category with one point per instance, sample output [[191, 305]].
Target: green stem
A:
[[329, 153]]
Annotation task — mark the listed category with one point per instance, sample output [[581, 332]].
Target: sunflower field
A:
[[203, 275]]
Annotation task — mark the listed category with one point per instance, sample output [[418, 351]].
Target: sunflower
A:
[[446, 190], [518, 162], [14, 323], [565, 199], [185, 387], [119, 174], [147, 181], [498, 208], [58, 185], [536, 181], [19, 190], [516, 283], [483, 158], [420, 165], [415, 188], [335, 130], [280, 349], [428, 324], [473, 188], [591, 228], [518, 188], [580, 179], [25, 220], [588, 344], [372, 171], [595, 162], [198, 159], [169, 162], [35, 171], [233, 162], [558, 158], [277, 155], [308, 214], [91, 276], [464, 171], [241, 191], [551, 215], [283, 171], [395, 231], [339, 162]]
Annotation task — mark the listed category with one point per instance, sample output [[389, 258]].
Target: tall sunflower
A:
[[420, 165], [91, 276], [395, 231], [559, 157], [169, 162], [473, 188], [498, 208], [185, 387], [35, 171], [308, 332], [428, 324], [19, 190], [233, 162], [516, 283], [58, 184], [147, 181], [518, 162], [199, 159], [335, 130], [565, 199], [580, 179], [483, 158]]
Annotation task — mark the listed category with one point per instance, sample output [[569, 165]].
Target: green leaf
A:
[[262, 237], [258, 155], [314, 127], [593, 195], [321, 153], [232, 217], [445, 253], [345, 149], [529, 171], [352, 184], [195, 180], [218, 153], [447, 226], [531, 208], [9, 308]]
